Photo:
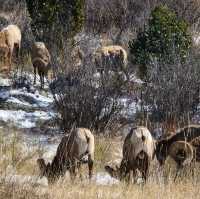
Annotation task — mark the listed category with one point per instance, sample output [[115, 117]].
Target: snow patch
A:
[[134, 79], [36, 100], [5, 82], [103, 178], [22, 119], [17, 101]]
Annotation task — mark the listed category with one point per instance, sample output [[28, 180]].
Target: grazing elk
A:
[[186, 134], [41, 61], [110, 58], [183, 146], [71, 153], [138, 150], [10, 40]]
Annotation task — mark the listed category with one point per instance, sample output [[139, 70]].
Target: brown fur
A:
[[138, 151], [69, 156], [187, 134], [41, 61], [111, 58], [10, 39]]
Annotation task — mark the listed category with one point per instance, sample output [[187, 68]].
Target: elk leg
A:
[[18, 50], [9, 61], [145, 172], [124, 170], [35, 73], [72, 169], [90, 166], [134, 175], [178, 171], [5, 59], [128, 176], [79, 170], [41, 80], [43, 75]]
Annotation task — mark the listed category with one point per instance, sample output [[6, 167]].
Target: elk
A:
[[138, 151], [41, 61], [110, 58], [10, 38], [183, 146], [186, 134], [73, 150]]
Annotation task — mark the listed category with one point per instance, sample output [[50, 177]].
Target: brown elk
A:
[[10, 40], [110, 58], [41, 61], [71, 153], [186, 134], [138, 150]]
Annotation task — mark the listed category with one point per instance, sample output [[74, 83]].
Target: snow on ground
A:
[[22, 119], [130, 107], [5, 82], [22, 97], [24, 109], [135, 79], [102, 178], [16, 101]]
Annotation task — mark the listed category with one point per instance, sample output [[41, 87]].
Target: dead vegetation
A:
[[159, 185]]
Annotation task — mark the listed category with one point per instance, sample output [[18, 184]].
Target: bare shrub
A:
[[172, 91], [85, 97]]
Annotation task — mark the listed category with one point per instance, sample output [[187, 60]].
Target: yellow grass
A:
[[90, 190], [160, 185]]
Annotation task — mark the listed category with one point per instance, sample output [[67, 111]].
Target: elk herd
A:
[[106, 58], [78, 147], [10, 44], [139, 151]]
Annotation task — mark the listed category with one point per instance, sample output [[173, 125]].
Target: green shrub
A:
[[166, 34]]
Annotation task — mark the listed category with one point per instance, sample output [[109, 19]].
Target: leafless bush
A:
[[85, 97], [116, 18], [172, 91]]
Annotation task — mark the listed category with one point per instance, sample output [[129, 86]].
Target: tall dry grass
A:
[[85, 190], [160, 183]]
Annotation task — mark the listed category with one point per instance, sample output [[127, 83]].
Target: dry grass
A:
[[159, 185], [90, 190], [15, 156]]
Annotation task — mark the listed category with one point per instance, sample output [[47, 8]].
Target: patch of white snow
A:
[[22, 119], [103, 178]]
